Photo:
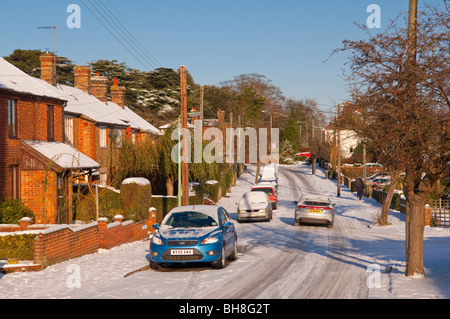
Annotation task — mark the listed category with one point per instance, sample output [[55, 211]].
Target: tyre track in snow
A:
[[263, 278], [335, 277]]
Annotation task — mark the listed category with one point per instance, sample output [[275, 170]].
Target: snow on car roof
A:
[[263, 184]]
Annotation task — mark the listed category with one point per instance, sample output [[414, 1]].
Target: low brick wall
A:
[[63, 242]]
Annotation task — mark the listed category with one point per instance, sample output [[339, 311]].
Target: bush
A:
[[17, 246], [13, 210], [137, 199]]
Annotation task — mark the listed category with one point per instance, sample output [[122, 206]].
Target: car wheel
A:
[[221, 262], [233, 255], [154, 265]]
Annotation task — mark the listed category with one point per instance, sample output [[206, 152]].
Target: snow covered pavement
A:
[[276, 260]]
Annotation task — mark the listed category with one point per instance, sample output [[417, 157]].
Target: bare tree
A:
[[404, 109]]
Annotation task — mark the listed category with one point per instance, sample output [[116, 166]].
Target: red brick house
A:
[[35, 163], [93, 124]]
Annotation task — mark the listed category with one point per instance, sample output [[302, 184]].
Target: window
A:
[[50, 122], [102, 137], [14, 172], [118, 134], [68, 129], [12, 118], [103, 179]]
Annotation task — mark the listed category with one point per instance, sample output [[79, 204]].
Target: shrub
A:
[[137, 199], [13, 210], [17, 246]]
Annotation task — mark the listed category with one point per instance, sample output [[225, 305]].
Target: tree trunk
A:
[[258, 170], [382, 220], [314, 165], [415, 224], [169, 186]]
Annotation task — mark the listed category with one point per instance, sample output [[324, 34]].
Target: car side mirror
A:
[[294, 202], [227, 224], [155, 226]]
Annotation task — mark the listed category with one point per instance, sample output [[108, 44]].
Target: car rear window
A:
[[314, 203], [266, 190]]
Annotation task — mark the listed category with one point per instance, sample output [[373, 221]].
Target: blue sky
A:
[[287, 41]]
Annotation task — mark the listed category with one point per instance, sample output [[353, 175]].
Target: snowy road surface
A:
[[276, 259]]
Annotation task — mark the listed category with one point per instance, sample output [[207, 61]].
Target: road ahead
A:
[[276, 260], [287, 262]]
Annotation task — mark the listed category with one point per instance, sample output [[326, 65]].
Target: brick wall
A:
[[60, 243], [86, 137], [42, 203]]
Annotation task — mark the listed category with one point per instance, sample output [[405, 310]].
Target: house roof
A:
[[63, 155], [78, 101], [12, 78], [82, 103]]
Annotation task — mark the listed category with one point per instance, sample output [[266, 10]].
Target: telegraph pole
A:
[[184, 159], [338, 168], [202, 96]]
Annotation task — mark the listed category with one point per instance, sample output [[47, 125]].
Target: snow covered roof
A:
[[78, 101], [63, 154], [12, 78], [135, 121]]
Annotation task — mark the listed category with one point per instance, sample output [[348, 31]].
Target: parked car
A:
[[269, 189], [197, 233], [315, 209], [377, 175], [254, 206], [381, 182], [374, 165]]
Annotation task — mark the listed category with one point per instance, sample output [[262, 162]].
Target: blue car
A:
[[199, 233]]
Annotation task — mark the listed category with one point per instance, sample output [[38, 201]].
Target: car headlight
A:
[[157, 241], [210, 240]]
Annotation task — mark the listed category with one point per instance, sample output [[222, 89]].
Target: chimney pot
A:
[[83, 78], [48, 68], [118, 93], [99, 88]]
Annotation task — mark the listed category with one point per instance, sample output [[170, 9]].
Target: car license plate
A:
[[317, 211], [181, 252]]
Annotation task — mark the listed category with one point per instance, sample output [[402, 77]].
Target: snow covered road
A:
[[277, 260]]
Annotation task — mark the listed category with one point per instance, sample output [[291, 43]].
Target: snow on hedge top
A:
[[136, 180]]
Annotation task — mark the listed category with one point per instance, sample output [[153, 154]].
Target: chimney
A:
[[118, 93], [83, 78], [99, 87], [48, 68]]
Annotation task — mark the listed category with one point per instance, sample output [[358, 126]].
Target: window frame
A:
[[102, 137], [13, 125], [68, 129], [50, 123]]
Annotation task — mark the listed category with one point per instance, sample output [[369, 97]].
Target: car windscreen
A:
[[190, 219], [266, 190]]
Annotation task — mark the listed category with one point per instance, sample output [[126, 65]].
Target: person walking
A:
[[360, 185]]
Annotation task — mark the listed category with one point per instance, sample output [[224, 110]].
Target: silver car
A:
[[254, 206], [314, 209]]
